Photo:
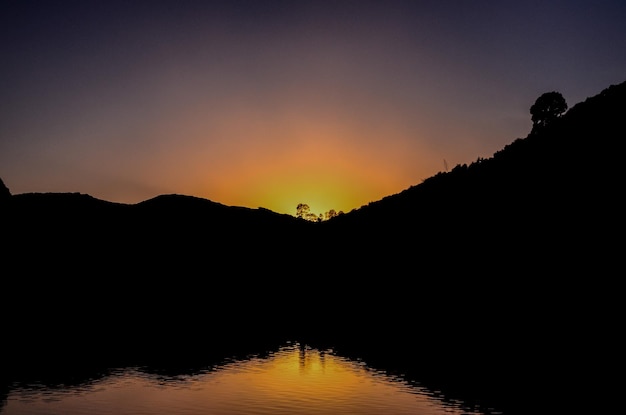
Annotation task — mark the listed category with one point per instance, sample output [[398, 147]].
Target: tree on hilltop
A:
[[303, 211], [548, 107]]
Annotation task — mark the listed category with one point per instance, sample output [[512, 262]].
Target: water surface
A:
[[294, 380]]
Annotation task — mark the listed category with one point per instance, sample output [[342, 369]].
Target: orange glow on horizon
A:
[[328, 165], [244, 156]]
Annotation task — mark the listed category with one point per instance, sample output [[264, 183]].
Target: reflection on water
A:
[[292, 380]]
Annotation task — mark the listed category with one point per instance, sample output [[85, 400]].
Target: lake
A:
[[292, 379]]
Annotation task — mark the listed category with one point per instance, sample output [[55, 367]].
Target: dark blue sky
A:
[[273, 103]]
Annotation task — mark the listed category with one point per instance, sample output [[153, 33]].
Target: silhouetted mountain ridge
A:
[[551, 167], [578, 146], [536, 204], [184, 205]]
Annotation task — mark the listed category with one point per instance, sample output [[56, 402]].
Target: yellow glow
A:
[[325, 174]]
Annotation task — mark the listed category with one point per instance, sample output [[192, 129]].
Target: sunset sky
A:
[[273, 103]]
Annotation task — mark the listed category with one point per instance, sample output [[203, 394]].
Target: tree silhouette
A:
[[331, 214], [548, 107], [302, 210]]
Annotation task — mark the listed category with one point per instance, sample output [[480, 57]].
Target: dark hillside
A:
[[76, 230], [543, 202], [5, 193], [135, 279]]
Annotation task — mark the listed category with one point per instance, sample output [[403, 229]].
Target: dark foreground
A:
[[523, 353]]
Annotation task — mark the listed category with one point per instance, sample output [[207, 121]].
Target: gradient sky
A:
[[272, 103]]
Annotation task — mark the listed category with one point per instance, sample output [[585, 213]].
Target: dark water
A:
[[292, 379]]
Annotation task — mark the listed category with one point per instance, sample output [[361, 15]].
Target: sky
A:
[[269, 104]]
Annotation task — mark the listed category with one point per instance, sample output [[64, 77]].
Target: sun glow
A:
[[326, 174]]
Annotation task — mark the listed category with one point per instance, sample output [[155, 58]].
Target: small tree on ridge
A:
[[548, 107]]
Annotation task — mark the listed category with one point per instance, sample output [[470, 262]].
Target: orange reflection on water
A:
[[295, 380]]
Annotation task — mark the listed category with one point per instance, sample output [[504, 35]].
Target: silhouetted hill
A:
[[4, 192], [185, 232], [490, 269], [536, 204]]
